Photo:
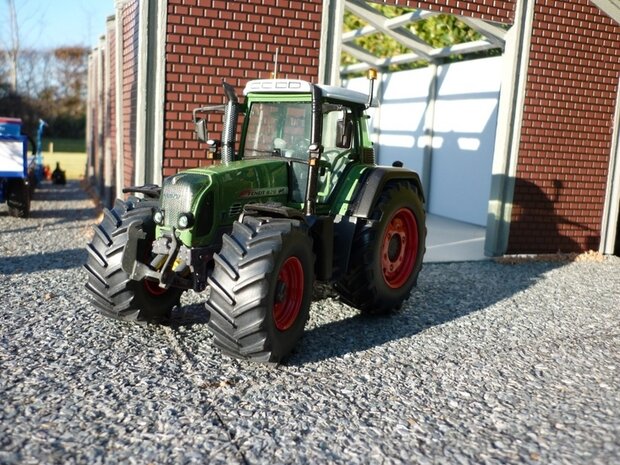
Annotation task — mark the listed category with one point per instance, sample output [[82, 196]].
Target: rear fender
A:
[[373, 184]]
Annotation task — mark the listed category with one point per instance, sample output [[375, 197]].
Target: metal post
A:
[[429, 131], [331, 46], [611, 209], [510, 116]]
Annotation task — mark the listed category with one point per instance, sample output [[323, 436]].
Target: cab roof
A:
[[297, 86]]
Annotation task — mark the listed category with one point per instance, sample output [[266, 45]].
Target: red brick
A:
[[560, 166]]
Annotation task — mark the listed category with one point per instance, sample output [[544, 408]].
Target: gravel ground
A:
[[486, 363]]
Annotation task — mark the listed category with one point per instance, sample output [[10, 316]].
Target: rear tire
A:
[[112, 291], [18, 199], [388, 253], [261, 289]]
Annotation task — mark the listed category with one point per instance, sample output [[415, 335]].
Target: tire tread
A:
[[239, 300], [111, 290]]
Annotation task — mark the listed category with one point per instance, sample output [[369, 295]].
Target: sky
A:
[[47, 24]]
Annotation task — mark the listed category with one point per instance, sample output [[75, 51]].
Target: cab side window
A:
[[339, 145]]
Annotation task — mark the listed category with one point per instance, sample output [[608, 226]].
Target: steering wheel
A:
[[337, 159]]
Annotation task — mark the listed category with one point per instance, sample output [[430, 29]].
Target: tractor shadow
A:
[[445, 292], [188, 315]]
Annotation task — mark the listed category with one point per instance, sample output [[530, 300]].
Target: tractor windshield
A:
[[278, 128]]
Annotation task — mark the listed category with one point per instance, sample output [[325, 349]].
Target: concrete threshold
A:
[[449, 240]]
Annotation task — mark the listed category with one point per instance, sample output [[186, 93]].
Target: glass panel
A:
[[281, 129], [335, 153]]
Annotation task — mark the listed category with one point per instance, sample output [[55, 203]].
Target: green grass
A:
[[70, 153], [74, 164], [65, 145]]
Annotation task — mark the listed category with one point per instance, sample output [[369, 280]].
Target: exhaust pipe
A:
[[229, 131]]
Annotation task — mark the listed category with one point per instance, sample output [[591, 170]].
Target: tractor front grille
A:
[[178, 194], [235, 210], [175, 199]]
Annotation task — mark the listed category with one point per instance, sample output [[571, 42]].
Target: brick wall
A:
[[501, 11], [129, 18], [567, 129], [211, 40]]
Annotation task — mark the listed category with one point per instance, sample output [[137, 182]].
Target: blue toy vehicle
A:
[[19, 174]]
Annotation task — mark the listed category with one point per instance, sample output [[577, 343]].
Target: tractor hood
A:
[[198, 203]]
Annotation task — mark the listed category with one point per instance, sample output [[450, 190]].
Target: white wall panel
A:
[[465, 121], [463, 127]]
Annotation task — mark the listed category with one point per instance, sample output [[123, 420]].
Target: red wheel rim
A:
[[399, 248], [289, 294], [153, 288]]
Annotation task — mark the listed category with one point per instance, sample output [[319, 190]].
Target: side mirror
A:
[[201, 130], [343, 132]]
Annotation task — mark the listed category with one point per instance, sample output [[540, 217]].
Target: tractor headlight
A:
[[185, 220], [158, 217]]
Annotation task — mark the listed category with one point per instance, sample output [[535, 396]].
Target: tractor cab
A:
[[312, 127]]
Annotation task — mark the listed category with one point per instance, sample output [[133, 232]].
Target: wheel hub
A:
[[395, 247], [288, 294], [399, 248], [281, 290]]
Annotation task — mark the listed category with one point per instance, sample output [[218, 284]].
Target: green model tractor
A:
[[297, 199]]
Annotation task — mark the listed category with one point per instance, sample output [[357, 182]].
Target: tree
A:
[[13, 48], [34, 71], [4, 73], [71, 65], [51, 86], [41, 83]]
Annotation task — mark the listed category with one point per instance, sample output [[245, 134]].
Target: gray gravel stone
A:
[[486, 363]]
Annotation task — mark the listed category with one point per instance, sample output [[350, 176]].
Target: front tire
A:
[[111, 290], [261, 289], [388, 253]]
